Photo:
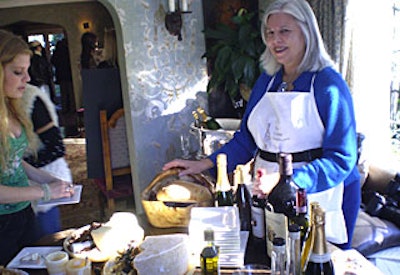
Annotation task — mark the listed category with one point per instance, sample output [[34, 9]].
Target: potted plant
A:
[[234, 55]]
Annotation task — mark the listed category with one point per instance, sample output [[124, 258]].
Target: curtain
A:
[[336, 30]]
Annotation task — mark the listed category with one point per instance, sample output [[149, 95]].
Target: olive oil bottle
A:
[[209, 256]]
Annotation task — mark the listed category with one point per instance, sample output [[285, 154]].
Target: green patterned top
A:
[[14, 174]]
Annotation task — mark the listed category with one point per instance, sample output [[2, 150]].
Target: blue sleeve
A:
[[242, 148], [338, 163]]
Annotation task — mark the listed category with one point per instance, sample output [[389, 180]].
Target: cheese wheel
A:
[[163, 254]]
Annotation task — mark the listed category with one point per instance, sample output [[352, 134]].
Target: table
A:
[[344, 261], [255, 252]]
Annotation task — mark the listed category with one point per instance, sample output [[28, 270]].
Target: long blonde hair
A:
[[11, 46]]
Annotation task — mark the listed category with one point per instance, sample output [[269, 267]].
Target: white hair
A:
[[315, 57]]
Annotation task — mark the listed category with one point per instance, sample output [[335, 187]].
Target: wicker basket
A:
[[175, 213]]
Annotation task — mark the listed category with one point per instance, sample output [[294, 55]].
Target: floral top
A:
[[14, 174]]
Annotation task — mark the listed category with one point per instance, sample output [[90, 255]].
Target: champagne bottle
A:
[[243, 199], [320, 259], [208, 122], [309, 242], [224, 195], [209, 256], [196, 119], [281, 202], [301, 215]]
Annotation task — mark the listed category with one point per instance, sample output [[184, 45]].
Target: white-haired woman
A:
[[299, 105]]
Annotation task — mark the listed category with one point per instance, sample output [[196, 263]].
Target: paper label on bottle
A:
[[276, 225], [258, 222]]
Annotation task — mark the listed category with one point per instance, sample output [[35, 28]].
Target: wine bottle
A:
[[224, 194], [309, 242], [209, 256], [258, 210], [320, 259], [243, 199], [283, 196], [301, 215], [281, 202], [208, 122]]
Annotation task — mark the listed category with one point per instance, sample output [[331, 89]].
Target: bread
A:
[[163, 254], [113, 239], [118, 233]]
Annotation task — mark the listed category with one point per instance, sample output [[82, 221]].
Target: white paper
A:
[[76, 198]]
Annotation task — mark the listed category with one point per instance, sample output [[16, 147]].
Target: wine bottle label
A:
[[258, 222], [276, 226], [316, 258]]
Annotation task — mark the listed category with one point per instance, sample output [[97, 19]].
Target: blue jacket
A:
[[335, 107]]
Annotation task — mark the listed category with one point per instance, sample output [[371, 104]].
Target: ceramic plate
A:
[[17, 271], [26, 251]]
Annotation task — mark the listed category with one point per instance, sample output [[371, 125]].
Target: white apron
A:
[[293, 125]]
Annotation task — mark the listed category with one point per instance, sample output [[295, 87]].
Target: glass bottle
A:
[[209, 256], [301, 215], [224, 194], [278, 255], [208, 122], [281, 202], [320, 261], [294, 250], [258, 211], [243, 199], [283, 196], [309, 242]]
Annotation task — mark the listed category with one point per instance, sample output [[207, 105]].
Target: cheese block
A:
[[163, 254]]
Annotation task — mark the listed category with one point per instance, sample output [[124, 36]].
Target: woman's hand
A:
[[61, 189], [189, 166], [265, 183]]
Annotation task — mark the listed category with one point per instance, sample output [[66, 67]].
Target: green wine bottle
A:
[[224, 194]]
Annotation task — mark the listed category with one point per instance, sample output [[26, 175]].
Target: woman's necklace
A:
[[287, 83]]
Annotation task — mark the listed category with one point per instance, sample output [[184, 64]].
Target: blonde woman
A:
[[16, 214]]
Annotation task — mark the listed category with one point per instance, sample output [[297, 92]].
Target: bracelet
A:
[[46, 192]]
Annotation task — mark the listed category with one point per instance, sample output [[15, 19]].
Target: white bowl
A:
[[229, 124]]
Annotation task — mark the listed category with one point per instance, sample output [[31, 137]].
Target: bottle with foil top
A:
[[224, 194], [320, 261], [258, 210], [206, 121], [308, 244], [242, 198], [301, 215]]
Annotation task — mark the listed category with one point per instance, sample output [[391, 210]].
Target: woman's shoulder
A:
[[329, 74]]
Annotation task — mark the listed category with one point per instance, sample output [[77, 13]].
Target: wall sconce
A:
[[86, 25], [173, 18]]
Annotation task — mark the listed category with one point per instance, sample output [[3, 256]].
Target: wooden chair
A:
[[117, 182]]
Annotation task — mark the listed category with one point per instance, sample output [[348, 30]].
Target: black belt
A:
[[305, 156]]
